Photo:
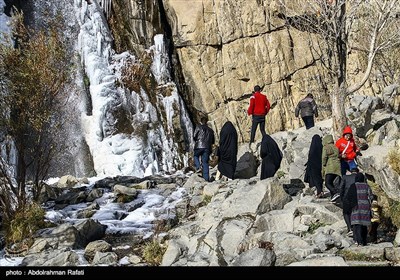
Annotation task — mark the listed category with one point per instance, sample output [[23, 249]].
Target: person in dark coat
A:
[[271, 157], [227, 150], [313, 175], [348, 195], [203, 137]]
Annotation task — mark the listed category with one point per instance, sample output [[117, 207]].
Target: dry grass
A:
[[25, 223], [390, 208], [394, 160], [153, 252]]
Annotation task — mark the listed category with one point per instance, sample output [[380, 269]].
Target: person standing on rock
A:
[[348, 150], [330, 165], [313, 175], [258, 109], [204, 138], [348, 195], [227, 151], [307, 109], [271, 157], [361, 213]]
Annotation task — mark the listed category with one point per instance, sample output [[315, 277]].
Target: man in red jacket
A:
[[348, 150], [259, 108]]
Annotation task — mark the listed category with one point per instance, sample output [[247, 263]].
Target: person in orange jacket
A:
[[348, 150], [258, 109]]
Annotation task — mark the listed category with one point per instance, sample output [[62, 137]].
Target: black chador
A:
[[271, 157], [313, 175], [227, 151]]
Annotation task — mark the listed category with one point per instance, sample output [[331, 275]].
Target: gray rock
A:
[[96, 246], [105, 258], [256, 257]]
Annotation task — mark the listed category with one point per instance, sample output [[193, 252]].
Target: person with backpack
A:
[[258, 109], [204, 138], [348, 150], [307, 109], [330, 165]]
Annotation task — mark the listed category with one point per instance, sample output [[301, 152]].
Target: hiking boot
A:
[[334, 197]]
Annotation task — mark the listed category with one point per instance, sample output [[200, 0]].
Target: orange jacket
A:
[[342, 143]]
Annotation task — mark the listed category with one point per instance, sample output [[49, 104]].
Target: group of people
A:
[[271, 155], [227, 149], [226, 153], [204, 139], [328, 161], [331, 162], [361, 210]]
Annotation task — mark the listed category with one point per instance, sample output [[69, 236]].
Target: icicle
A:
[[106, 5]]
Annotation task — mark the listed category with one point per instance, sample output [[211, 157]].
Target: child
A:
[[375, 219]]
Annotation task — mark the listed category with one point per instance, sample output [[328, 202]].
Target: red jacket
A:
[[259, 104], [342, 143]]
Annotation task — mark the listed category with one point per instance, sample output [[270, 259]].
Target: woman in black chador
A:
[[227, 150], [313, 174], [271, 157]]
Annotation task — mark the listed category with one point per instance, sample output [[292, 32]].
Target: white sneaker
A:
[[334, 197]]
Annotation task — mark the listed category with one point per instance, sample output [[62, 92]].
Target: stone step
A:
[[366, 263]]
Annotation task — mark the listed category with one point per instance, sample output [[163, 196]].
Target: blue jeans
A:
[[347, 165], [205, 156]]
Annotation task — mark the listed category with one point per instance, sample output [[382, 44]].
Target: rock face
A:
[[221, 49], [216, 51], [227, 47]]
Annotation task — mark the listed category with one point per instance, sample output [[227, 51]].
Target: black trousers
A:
[[329, 178], [360, 234], [347, 217], [257, 120], [308, 121]]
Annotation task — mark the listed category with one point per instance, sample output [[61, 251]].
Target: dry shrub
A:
[[25, 223], [153, 252], [390, 208], [394, 160]]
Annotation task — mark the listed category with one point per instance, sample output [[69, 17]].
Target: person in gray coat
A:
[[307, 109]]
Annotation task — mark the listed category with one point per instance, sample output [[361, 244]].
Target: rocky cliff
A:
[[221, 49]]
